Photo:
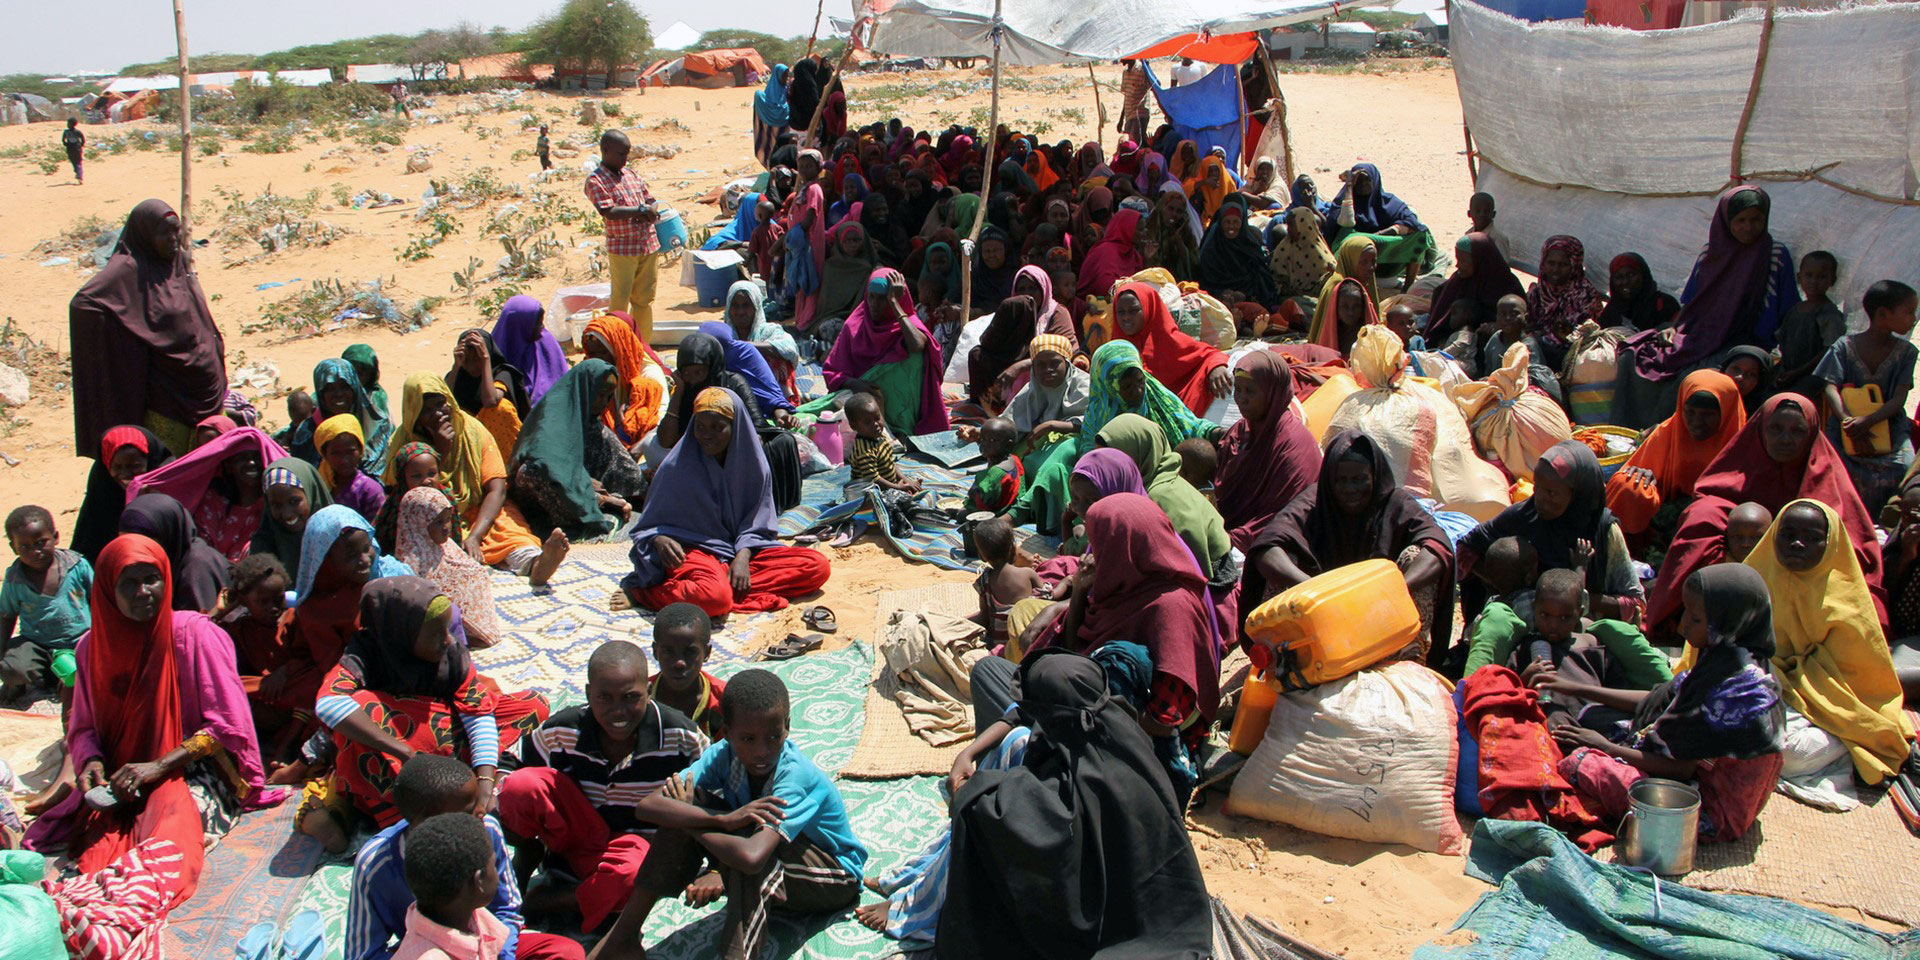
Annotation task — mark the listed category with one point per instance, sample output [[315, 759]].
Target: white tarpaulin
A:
[[1049, 31], [1624, 138]]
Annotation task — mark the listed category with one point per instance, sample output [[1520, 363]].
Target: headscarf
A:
[[1586, 517], [1175, 359], [1491, 280], [770, 103], [853, 191], [324, 529], [714, 400], [362, 354], [460, 468], [1085, 161], [1761, 389], [275, 539], [1731, 281], [1112, 360], [1040, 171], [219, 423], [1726, 703], [642, 388], [992, 285], [1008, 332], [705, 505], [765, 332], [865, 343], [523, 338], [1037, 403], [1264, 464], [1110, 471], [1649, 309], [1674, 457], [1301, 261], [1238, 263], [1114, 258], [1184, 164], [703, 349], [466, 387], [890, 237], [740, 229], [1197, 521], [1051, 315], [844, 281], [553, 437], [188, 478], [1326, 330], [331, 429], [452, 570], [200, 570], [1555, 309], [803, 91], [1830, 654], [1380, 211], [393, 611], [1148, 588], [744, 359], [1209, 186], [150, 339]]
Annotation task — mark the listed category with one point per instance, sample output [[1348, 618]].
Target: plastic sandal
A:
[[257, 943], [793, 646], [305, 937], [820, 618]]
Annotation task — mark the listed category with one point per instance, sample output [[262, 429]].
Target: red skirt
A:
[[775, 576], [430, 726]]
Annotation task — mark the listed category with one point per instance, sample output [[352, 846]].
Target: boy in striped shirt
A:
[[583, 772]]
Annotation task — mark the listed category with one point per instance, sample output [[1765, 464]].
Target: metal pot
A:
[[1661, 826]]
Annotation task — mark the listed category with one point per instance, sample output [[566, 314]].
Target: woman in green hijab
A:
[[367, 366], [569, 471], [294, 493], [1194, 518]]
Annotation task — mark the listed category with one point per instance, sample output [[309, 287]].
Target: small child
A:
[[682, 640], [1480, 212], [941, 316], [998, 486], [340, 448], [1400, 318], [1607, 653], [872, 457], [300, 407], [1199, 462], [1746, 524], [1008, 579], [759, 808], [453, 874], [1883, 356], [44, 598], [1812, 327], [1509, 570], [252, 609], [1509, 327]]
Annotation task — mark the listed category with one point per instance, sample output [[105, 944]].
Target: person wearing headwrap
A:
[[1336, 324], [1233, 264], [771, 116], [1208, 187], [474, 476], [803, 94], [219, 485], [1742, 285], [1002, 344], [416, 465], [488, 387], [199, 570], [747, 316], [1194, 371], [1752, 371], [1194, 518], [1480, 276], [295, 493], [339, 441], [806, 238], [1562, 299], [642, 378], [1262, 186], [1351, 510], [159, 718], [336, 391], [522, 336], [743, 358], [707, 534], [153, 354], [1301, 260], [385, 693], [1047, 413], [1183, 163], [427, 545], [571, 472], [705, 361], [852, 191], [994, 265], [1173, 229], [833, 111], [1363, 206], [1634, 301], [885, 228], [850, 260], [1268, 457], [1650, 490], [366, 364], [884, 343]]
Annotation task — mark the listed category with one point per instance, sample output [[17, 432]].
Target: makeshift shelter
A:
[[504, 66], [1209, 112], [732, 67], [1040, 33], [1816, 106]]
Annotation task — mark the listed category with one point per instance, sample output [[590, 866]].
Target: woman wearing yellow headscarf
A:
[[474, 475], [340, 443], [1830, 654], [1354, 264]]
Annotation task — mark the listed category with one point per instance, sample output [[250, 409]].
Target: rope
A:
[[1648, 871]]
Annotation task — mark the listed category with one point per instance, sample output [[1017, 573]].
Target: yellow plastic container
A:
[[1256, 708], [1337, 623], [1861, 401], [1320, 407]]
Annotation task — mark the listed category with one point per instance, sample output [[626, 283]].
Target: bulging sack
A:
[[1593, 363], [1512, 423], [1370, 757]]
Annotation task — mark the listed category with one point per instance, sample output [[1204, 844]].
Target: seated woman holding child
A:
[[219, 484], [571, 474], [707, 533]]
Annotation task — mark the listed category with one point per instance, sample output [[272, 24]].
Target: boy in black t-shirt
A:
[[74, 141]]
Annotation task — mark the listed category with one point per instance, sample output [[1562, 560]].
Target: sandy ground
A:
[[1355, 899]]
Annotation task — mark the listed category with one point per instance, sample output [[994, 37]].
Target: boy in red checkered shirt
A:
[[633, 250]]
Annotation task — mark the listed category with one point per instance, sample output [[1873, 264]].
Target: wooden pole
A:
[[986, 178], [817, 11], [1099, 109], [1278, 113], [186, 132], [1753, 96]]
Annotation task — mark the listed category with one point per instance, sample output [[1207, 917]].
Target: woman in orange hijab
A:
[[1657, 481], [1041, 171], [642, 389], [1209, 186]]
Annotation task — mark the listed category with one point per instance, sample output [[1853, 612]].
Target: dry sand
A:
[[1384, 900]]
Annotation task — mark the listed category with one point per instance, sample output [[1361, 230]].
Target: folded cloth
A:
[[931, 655]]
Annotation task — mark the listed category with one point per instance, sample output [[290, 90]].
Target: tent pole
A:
[[1099, 109], [1278, 113], [1753, 95], [818, 10], [820, 109], [186, 132], [986, 178], [1473, 168]]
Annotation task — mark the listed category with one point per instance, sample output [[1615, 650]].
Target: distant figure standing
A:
[[1189, 73], [543, 148], [1133, 101], [400, 99], [75, 142], [633, 249]]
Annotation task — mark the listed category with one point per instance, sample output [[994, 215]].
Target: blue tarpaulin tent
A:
[[1538, 11], [1207, 112]]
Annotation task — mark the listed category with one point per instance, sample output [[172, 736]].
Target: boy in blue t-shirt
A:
[[43, 603], [771, 822]]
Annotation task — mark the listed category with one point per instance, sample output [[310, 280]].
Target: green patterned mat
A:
[[894, 818]]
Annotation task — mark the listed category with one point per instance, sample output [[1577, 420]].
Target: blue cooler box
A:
[[712, 285]]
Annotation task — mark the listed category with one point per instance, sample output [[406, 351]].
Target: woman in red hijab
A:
[[1779, 456], [1197, 373], [1269, 457], [159, 719]]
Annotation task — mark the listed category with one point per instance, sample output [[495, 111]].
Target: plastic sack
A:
[[1513, 424], [1213, 322], [1593, 361], [1367, 757], [29, 924], [1420, 429]]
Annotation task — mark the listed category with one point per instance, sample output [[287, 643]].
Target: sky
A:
[[47, 37]]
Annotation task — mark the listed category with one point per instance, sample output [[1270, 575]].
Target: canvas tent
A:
[[1648, 127], [724, 68], [1040, 32]]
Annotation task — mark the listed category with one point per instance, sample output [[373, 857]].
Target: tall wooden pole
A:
[[1099, 108], [817, 11], [1279, 112], [186, 131], [986, 179]]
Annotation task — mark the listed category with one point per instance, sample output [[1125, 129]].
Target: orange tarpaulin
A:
[[707, 63], [1226, 48]]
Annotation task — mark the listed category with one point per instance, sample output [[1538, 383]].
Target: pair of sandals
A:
[[819, 618], [303, 938]]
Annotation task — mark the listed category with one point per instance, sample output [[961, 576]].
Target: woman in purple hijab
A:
[[522, 336]]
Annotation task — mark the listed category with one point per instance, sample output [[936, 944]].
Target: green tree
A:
[[590, 35]]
